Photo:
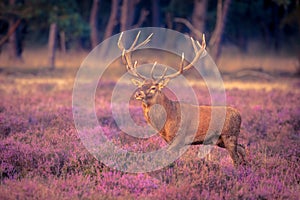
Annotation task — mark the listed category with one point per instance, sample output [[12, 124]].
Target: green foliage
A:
[[292, 19], [247, 18], [180, 8], [284, 3], [9, 11], [39, 14], [65, 14], [270, 20]]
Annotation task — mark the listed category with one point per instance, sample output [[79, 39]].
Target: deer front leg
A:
[[177, 143], [230, 143]]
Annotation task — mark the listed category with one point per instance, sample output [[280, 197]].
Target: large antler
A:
[[126, 54], [198, 49]]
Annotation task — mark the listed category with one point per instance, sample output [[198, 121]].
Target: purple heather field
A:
[[42, 157], [71, 127]]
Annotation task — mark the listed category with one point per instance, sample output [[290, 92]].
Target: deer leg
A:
[[230, 143], [241, 153], [177, 143]]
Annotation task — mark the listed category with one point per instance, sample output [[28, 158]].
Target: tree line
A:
[[68, 24]]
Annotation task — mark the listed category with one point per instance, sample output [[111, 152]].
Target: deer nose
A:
[[139, 95]]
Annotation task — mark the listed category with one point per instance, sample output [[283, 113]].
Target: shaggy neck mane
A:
[[170, 106]]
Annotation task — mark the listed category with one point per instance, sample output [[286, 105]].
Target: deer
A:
[[150, 92]]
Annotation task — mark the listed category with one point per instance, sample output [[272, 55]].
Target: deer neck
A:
[[162, 100], [172, 109]]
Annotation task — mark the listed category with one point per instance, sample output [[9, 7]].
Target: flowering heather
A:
[[42, 157]]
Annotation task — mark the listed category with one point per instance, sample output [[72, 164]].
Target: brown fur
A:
[[199, 129]]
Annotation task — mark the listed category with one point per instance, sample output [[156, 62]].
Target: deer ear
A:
[[163, 83], [137, 83]]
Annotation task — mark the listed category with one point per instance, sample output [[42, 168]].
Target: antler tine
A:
[[120, 44], [194, 45], [198, 52], [163, 75], [126, 54], [132, 71], [180, 71], [123, 57], [135, 41], [203, 41], [181, 63], [152, 70], [144, 42]]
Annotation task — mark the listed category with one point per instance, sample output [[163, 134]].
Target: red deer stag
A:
[[150, 93]]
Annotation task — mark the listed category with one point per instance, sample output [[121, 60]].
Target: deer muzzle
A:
[[139, 95]]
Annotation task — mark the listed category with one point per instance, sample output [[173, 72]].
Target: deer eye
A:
[[152, 89]]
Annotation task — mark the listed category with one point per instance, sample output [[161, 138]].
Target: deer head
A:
[[149, 89]]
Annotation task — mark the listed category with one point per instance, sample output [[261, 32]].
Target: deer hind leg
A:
[[230, 143], [241, 153]]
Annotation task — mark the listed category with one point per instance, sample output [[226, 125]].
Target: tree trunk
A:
[[127, 15], [197, 34], [155, 13], [277, 31], [199, 15], [215, 41], [143, 16], [11, 31], [112, 22], [13, 51], [62, 37], [131, 11], [124, 13], [52, 45], [93, 24], [169, 21], [12, 44], [214, 45]]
